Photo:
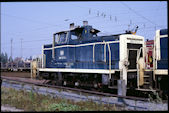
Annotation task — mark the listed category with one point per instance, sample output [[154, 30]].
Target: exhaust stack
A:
[[72, 25]]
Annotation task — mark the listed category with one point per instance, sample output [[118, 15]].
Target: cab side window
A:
[[74, 36], [62, 38]]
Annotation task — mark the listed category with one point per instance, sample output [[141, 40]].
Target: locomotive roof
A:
[[79, 29], [115, 34]]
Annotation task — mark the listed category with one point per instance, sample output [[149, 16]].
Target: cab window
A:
[[61, 38], [74, 36]]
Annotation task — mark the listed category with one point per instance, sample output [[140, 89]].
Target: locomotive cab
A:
[[75, 34]]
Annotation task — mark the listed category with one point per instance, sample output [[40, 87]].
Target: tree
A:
[[2, 58], [6, 57], [10, 59]]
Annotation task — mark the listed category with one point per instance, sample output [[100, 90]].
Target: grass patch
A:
[[30, 101]]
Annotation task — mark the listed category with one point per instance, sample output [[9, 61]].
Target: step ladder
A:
[[148, 79]]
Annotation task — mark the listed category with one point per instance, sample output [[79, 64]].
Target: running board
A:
[[99, 71]]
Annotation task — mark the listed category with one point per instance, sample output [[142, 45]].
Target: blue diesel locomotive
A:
[[79, 57]]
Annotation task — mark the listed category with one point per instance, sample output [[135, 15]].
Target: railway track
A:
[[127, 102], [17, 74]]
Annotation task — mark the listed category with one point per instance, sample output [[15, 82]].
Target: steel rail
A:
[[75, 89]]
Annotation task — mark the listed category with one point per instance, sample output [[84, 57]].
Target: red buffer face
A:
[[149, 54]]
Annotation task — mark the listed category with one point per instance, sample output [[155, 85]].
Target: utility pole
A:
[[21, 47], [11, 47], [128, 27], [130, 22]]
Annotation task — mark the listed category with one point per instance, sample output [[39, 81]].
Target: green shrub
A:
[[63, 107], [32, 101]]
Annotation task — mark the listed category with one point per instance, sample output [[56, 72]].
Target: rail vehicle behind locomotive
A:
[[160, 60], [16, 66], [161, 54], [81, 58]]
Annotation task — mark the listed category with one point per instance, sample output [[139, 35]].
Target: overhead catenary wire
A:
[[61, 25], [103, 14], [92, 16], [45, 23], [47, 39], [138, 14]]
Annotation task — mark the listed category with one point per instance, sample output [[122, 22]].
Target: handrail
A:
[[104, 51], [138, 68], [93, 53], [109, 61], [44, 61]]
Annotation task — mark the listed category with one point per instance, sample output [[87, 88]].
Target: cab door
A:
[[132, 58]]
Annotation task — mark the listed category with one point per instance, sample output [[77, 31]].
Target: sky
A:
[[32, 24]]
